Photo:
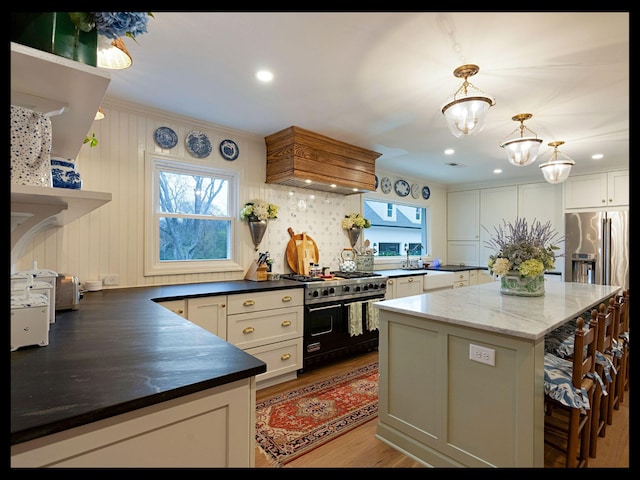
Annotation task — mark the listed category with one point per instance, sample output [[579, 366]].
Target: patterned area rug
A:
[[294, 423]]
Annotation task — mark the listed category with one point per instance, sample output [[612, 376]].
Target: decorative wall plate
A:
[[386, 185], [415, 190], [198, 144], [402, 188], [229, 150], [376, 182], [165, 137], [426, 193]]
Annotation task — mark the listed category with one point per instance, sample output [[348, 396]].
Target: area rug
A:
[[294, 423]]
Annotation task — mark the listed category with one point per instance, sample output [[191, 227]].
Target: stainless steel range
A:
[[335, 315]]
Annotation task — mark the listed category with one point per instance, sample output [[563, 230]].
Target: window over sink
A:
[[190, 214]]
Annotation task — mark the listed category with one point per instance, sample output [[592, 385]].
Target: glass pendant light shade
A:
[[522, 151], [113, 54], [557, 170], [466, 112]]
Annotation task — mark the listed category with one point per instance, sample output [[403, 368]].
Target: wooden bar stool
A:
[[569, 387]]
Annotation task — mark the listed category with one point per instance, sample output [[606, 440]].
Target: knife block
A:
[[256, 273]]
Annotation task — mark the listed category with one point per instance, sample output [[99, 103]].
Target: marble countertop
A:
[[483, 307], [121, 351]]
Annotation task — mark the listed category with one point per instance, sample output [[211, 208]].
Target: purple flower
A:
[[120, 24]]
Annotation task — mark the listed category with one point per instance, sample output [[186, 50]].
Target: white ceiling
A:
[[379, 80]]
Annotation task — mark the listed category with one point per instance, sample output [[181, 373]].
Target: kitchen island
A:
[[125, 382], [447, 410]]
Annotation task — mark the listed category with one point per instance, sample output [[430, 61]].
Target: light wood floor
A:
[[359, 448]]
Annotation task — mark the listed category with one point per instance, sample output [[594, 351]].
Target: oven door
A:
[[323, 329]]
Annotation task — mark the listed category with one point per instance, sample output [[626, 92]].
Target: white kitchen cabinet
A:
[[210, 313], [597, 190], [398, 287], [461, 279], [176, 306], [207, 429], [496, 205], [45, 83], [463, 215], [269, 325], [476, 277]]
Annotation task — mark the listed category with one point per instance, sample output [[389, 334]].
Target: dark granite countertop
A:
[[457, 268], [119, 352]]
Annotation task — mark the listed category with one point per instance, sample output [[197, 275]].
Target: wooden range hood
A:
[[300, 158]]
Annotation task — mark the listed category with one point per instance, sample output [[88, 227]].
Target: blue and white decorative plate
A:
[[376, 182], [165, 137], [229, 150], [385, 185], [426, 193], [198, 144], [402, 188]]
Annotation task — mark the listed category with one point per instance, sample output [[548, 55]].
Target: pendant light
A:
[[466, 112], [557, 170], [522, 151], [113, 54]]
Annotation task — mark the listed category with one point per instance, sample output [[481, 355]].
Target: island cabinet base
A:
[[446, 410], [211, 428]]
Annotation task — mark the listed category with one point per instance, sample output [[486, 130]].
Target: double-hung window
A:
[[190, 221]]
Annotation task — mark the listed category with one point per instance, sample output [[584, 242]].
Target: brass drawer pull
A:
[[249, 330], [248, 303], [286, 323], [286, 356], [287, 298], [410, 279], [390, 282]]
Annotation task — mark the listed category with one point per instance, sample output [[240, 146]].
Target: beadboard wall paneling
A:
[[111, 239]]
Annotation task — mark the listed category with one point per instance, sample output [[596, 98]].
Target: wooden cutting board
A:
[[301, 250]]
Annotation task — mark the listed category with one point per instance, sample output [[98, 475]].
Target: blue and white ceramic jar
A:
[[64, 174]]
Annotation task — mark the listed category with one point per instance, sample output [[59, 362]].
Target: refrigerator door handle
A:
[[606, 251]]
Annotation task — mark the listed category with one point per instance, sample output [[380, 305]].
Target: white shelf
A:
[[34, 208], [45, 82]]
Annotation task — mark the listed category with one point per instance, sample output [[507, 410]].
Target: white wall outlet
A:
[[482, 354], [110, 279]]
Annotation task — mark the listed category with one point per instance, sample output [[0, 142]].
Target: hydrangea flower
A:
[[258, 210]]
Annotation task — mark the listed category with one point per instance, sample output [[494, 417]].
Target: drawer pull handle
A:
[[287, 298], [286, 323], [248, 303], [410, 279], [390, 282], [286, 356], [249, 330]]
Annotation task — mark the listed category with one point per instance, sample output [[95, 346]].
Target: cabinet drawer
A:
[[463, 283], [281, 358], [461, 276], [253, 302], [246, 330]]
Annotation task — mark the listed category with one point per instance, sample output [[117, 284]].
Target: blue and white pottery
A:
[[65, 177], [62, 162]]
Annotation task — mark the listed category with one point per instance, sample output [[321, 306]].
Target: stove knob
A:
[[375, 286], [332, 290], [325, 292], [315, 293], [346, 288], [358, 288]]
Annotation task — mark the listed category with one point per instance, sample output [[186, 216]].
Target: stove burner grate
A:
[[301, 278], [356, 274]]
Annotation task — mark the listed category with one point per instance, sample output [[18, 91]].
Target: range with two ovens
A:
[[339, 318]]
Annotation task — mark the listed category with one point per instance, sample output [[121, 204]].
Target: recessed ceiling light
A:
[[449, 151], [597, 156], [264, 75], [497, 170]]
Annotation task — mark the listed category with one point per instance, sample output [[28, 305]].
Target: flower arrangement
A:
[[528, 250], [112, 24], [258, 210], [355, 220]]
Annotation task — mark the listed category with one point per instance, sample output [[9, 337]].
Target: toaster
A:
[[67, 292]]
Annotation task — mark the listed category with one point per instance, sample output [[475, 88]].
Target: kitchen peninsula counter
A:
[[487, 412], [119, 353]]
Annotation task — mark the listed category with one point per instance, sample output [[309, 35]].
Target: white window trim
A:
[[152, 265]]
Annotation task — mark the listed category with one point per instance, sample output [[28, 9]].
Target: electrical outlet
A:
[[482, 354], [111, 279]]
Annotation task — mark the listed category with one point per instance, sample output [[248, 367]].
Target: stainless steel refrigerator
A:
[[597, 247]]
